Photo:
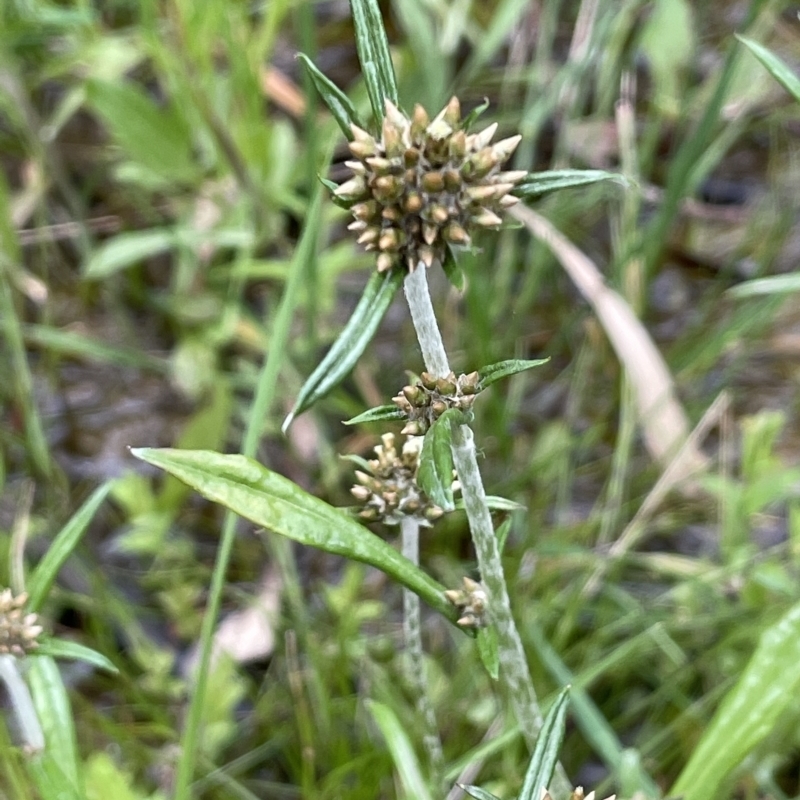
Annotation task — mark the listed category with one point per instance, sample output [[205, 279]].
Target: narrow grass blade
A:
[[503, 369], [776, 67], [266, 388], [776, 284], [403, 755], [352, 341], [539, 183], [478, 793], [545, 756], [270, 500], [598, 733], [21, 379], [505, 15], [43, 575], [681, 175], [378, 414], [343, 111], [373, 53], [126, 250], [72, 651], [749, 712]]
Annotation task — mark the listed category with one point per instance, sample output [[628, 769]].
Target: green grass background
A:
[[160, 162]]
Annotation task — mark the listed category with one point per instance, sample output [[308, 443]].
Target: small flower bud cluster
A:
[[390, 492], [471, 602], [18, 630], [577, 794], [425, 401], [425, 184]]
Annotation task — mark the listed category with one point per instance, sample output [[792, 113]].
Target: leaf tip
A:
[[287, 422]]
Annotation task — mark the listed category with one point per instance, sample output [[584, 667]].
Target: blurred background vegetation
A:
[[158, 161]]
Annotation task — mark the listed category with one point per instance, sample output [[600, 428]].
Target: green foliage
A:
[[65, 542], [776, 66], [374, 56], [405, 760], [351, 343], [541, 183], [435, 475], [136, 124], [161, 226], [270, 500], [765, 690], [335, 99]]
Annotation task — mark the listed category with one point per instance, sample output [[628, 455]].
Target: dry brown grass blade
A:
[[283, 92], [664, 423]]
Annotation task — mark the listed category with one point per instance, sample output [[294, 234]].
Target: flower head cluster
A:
[[577, 794], [425, 184], [426, 400], [389, 491], [471, 601], [18, 630]]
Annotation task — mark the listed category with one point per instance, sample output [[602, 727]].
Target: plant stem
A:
[[20, 698], [513, 664], [415, 671], [428, 335], [191, 740]]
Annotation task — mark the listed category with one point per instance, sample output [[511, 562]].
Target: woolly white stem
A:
[[421, 308], [412, 632], [22, 703], [513, 663], [515, 673]]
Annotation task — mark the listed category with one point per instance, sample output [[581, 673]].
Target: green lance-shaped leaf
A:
[[474, 115], [403, 755], [60, 756], [502, 369], [344, 112], [478, 793], [777, 68], [775, 284], [435, 473], [488, 651], [43, 575], [749, 712], [274, 502], [127, 249], [545, 754], [352, 341], [373, 53], [72, 651], [452, 270], [387, 413], [539, 183]]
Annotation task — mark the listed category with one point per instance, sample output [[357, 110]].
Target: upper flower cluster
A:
[[425, 184]]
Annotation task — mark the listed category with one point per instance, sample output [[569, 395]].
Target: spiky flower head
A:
[[389, 491], [426, 400], [18, 630], [471, 601], [425, 184], [577, 794]]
